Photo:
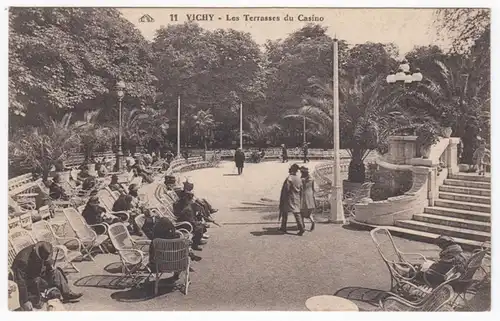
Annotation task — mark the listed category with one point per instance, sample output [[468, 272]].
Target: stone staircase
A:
[[462, 211]]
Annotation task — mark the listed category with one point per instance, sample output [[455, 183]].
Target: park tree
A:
[[292, 63], [68, 59], [463, 25], [208, 70], [204, 124]]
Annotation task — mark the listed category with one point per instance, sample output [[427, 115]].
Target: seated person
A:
[[34, 272], [94, 213], [140, 169], [102, 170], [128, 203], [187, 211], [204, 206], [115, 186], [451, 256], [169, 156], [56, 191]]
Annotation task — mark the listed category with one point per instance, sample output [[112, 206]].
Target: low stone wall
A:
[[399, 207]]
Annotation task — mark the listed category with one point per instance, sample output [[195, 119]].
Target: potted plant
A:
[[427, 135], [446, 122]]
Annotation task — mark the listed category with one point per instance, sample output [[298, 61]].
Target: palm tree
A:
[[457, 97], [259, 132], [45, 146], [92, 134], [369, 114], [204, 124]]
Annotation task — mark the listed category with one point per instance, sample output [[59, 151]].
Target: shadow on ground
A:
[[106, 281], [146, 291], [365, 298], [272, 231]]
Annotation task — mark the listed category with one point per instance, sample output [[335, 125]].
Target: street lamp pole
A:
[[336, 206], [241, 125], [178, 126], [305, 138], [120, 86]]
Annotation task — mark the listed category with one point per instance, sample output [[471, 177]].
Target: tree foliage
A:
[[64, 59], [464, 25]]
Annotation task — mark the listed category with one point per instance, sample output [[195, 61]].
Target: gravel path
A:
[[247, 265]]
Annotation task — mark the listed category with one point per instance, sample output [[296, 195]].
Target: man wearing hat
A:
[[56, 191], [186, 212], [34, 272], [305, 151], [94, 213], [451, 256], [284, 153], [290, 199]]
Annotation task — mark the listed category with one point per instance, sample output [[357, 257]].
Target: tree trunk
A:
[[356, 172], [205, 146]]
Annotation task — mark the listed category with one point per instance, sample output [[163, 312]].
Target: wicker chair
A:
[[85, 233], [108, 198], [437, 300], [466, 283], [133, 254], [171, 256], [43, 231], [401, 266]]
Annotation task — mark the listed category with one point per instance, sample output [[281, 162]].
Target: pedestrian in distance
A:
[[305, 151], [284, 153], [308, 201], [290, 200], [239, 160]]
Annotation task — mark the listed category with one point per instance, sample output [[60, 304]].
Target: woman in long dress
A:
[[308, 201]]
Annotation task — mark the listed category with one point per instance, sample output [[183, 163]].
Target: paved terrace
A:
[[247, 265]]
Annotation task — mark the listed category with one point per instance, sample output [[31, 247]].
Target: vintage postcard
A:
[[249, 159]]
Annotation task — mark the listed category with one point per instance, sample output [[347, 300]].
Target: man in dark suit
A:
[[34, 273], [188, 214], [239, 159]]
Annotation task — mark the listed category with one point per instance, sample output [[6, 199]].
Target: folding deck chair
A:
[[84, 232], [133, 253], [42, 231]]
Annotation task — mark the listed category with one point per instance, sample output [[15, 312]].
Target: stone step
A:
[[461, 183], [470, 177], [465, 198], [465, 190], [463, 205], [431, 237], [453, 221], [445, 230], [453, 212]]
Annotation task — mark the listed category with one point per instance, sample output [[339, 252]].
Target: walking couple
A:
[[297, 197]]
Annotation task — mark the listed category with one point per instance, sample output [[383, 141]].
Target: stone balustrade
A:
[[427, 175]]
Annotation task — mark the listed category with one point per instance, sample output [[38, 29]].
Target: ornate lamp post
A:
[[404, 75], [120, 93]]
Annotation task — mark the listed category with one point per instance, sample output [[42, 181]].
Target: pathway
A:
[[247, 265]]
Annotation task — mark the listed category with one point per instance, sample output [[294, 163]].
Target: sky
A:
[[404, 27]]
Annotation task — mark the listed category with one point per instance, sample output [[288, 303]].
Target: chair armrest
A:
[[189, 225], [126, 258], [121, 215], [407, 304], [407, 278], [66, 240], [58, 249], [103, 225], [420, 256]]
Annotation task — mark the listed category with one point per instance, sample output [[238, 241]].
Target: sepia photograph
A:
[[249, 159]]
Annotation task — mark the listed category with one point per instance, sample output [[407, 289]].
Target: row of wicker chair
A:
[[408, 293]]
